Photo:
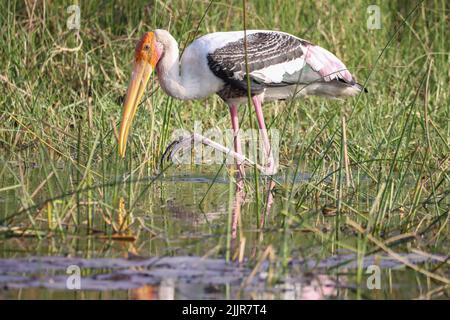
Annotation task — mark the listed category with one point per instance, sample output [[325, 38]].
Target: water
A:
[[175, 240], [180, 277]]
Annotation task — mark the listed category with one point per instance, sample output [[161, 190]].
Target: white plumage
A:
[[193, 78], [280, 66]]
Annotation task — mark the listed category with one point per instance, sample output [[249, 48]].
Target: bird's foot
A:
[[186, 143]]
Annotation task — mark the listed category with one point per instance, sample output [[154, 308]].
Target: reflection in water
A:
[[269, 201], [171, 278], [147, 292], [239, 197], [318, 288], [167, 289], [188, 240], [236, 210]]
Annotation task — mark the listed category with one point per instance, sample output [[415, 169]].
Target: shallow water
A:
[[181, 277], [178, 243]]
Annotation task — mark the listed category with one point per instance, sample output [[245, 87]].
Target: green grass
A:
[[60, 102]]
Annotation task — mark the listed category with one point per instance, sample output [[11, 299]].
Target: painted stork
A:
[[277, 66]]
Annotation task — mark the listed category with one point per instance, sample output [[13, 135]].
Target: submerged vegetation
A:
[[366, 175]]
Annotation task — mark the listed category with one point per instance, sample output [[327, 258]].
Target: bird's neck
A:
[[168, 69]]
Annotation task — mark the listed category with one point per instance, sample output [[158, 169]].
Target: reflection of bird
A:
[[269, 65]]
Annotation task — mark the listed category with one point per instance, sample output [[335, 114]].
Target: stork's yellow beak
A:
[[146, 58], [139, 79]]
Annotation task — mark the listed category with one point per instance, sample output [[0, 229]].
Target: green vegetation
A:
[[379, 162]]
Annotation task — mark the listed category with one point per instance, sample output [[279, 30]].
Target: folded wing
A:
[[275, 59]]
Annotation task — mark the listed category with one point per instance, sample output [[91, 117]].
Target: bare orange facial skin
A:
[[146, 49]]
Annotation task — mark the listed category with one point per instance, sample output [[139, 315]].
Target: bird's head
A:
[[147, 54]]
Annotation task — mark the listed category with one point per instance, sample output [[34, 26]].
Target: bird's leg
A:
[[236, 139], [185, 143], [269, 161]]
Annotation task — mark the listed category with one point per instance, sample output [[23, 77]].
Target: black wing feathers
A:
[[263, 49]]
